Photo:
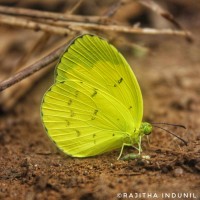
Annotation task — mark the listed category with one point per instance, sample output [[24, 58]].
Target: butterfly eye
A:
[[147, 133]]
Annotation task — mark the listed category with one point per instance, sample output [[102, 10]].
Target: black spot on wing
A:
[[120, 80], [76, 93], [77, 133], [94, 114], [69, 102], [72, 113], [67, 122], [94, 93]]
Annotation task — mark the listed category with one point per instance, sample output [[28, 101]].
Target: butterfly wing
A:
[[94, 60], [95, 102], [84, 121]]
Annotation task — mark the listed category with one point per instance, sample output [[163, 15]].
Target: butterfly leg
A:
[[148, 140], [139, 145], [124, 144], [133, 156]]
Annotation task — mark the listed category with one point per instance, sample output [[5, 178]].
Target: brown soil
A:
[[31, 168]]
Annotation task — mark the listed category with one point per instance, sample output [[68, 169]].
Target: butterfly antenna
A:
[[172, 134], [176, 125]]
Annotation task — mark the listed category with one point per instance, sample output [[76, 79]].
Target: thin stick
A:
[[9, 97], [113, 9], [50, 15], [164, 13], [128, 29], [160, 11], [75, 26], [25, 23], [74, 8], [37, 46], [32, 68]]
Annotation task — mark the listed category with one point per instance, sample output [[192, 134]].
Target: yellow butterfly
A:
[[95, 104]]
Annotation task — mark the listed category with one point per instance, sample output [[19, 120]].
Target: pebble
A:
[[178, 172]]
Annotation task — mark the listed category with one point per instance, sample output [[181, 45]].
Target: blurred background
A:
[[167, 65]]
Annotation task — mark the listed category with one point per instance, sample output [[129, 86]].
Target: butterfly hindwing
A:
[[78, 121]]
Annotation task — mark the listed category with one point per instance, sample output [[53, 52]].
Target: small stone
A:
[[178, 172], [85, 173], [165, 170], [112, 166]]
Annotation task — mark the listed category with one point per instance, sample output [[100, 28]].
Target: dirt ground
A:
[[169, 76]]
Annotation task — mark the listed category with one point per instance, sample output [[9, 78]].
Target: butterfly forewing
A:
[[95, 61]]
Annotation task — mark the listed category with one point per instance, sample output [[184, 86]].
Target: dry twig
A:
[[126, 29], [159, 10], [113, 9], [25, 23], [50, 15], [74, 8], [165, 14], [71, 27], [8, 98], [44, 62]]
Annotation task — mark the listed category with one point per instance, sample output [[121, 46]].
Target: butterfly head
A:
[[146, 128]]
